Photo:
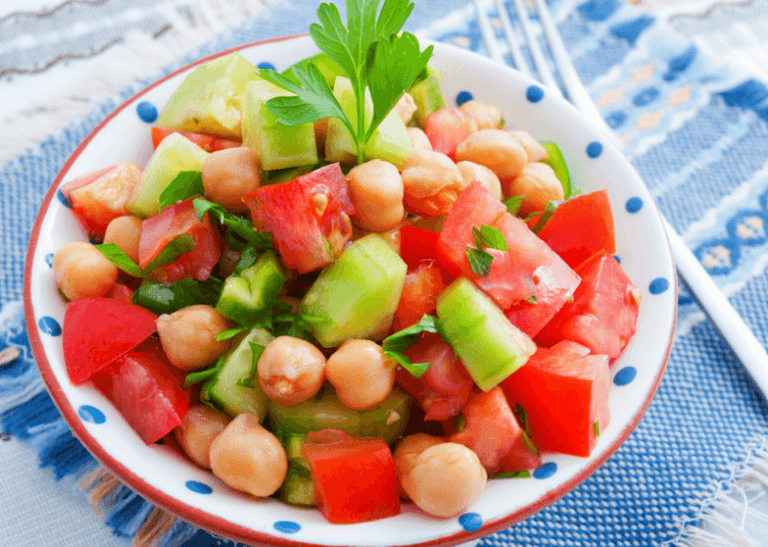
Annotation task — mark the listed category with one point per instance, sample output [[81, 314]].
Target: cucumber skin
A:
[[358, 294], [427, 95], [490, 347], [249, 297]]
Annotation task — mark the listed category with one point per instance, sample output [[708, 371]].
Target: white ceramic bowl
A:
[[172, 482]]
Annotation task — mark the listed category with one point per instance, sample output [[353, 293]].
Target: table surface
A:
[[683, 83]]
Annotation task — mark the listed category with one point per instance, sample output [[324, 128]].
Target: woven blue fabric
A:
[[704, 160]]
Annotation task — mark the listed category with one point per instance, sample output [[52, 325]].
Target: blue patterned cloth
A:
[[696, 131]]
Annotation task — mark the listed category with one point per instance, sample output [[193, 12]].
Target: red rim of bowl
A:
[[204, 519]]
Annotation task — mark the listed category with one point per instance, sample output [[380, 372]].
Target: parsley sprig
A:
[[371, 51]]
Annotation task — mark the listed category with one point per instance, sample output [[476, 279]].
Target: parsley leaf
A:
[[513, 204], [238, 225], [521, 474], [202, 375], [549, 210], [479, 261], [488, 237], [117, 257], [396, 344], [181, 244], [187, 184], [229, 333], [596, 429]]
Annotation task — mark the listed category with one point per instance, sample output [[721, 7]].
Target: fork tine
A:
[[542, 69], [514, 48], [486, 30]]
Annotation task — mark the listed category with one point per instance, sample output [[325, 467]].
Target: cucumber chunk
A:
[[427, 95], [297, 489], [235, 388], [356, 297], [490, 347], [249, 297]]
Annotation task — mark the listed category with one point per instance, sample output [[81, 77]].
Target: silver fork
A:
[[732, 327]]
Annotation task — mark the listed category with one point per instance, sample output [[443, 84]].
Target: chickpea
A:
[[471, 171], [487, 116], [539, 184], [188, 336], [197, 430], [125, 232], [496, 149], [405, 108], [362, 375], [229, 174], [291, 370], [408, 450], [445, 479], [432, 183], [533, 148], [419, 139], [248, 457], [81, 271], [377, 192]]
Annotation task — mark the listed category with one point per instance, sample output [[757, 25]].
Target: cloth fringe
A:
[[135, 60], [737, 513]]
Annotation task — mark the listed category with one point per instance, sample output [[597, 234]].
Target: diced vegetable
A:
[[447, 128], [419, 295], [558, 165], [309, 217], [297, 489], [170, 297], [564, 393], [417, 245], [354, 479], [490, 347], [98, 331], [426, 94], [357, 296], [206, 142], [604, 311], [248, 297]]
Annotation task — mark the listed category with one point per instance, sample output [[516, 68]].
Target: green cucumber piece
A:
[[227, 390], [249, 297], [209, 99], [172, 156], [427, 94], [558, 165], [356, 296], [490, 347], [277, 146], [297, 488], [327, 66], [325, 411]]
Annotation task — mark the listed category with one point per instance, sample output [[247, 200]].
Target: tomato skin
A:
[[120, 292], [417, 245], [604, 310], [206, 142], [306, 236], [159, 230], [146, 390], [354, 479], [580, 227], [492, 432], [445, 387], [564, 391], [98, 331], [419, 295], [447, 128]]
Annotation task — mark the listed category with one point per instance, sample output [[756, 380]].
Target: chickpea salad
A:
[[328, 287]]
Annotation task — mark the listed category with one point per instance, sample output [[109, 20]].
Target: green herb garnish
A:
[[513, 204], [187, 184], [202, 375], [459, 422], [549, 210], [596, 429], [522, 474], [178, 246], [488, 237], [479, 261], [256, 351], [238, 225], [522, 417], [395, 345], [370, 50], [229, 333]]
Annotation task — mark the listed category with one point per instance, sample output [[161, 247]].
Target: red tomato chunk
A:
[[206, 142], [447, 128], [419, 296], [564, 391], [97, 331], [354, 479]]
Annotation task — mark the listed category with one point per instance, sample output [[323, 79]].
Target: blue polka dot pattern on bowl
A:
[[463, 97], [198, 487], [267, 65], [286, 526], [618, 258], [48, 325], [534, 94], [594, 149], [545, 471], [625, 376], [63, 199], [49, 260], [658, 285], [91, 414], [634, 204], [471, 522], [147, 111]]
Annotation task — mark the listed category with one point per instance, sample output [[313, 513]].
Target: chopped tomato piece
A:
[[206, 142], [354, 479], [159, 230], [419, 295], [564, 391], [494, 434], [445, 387], [447, 128], [97, 331], [146, 390], [580, 227], [309, 217], [99, 197], [120, 292], [417, 245], [603, 313]]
